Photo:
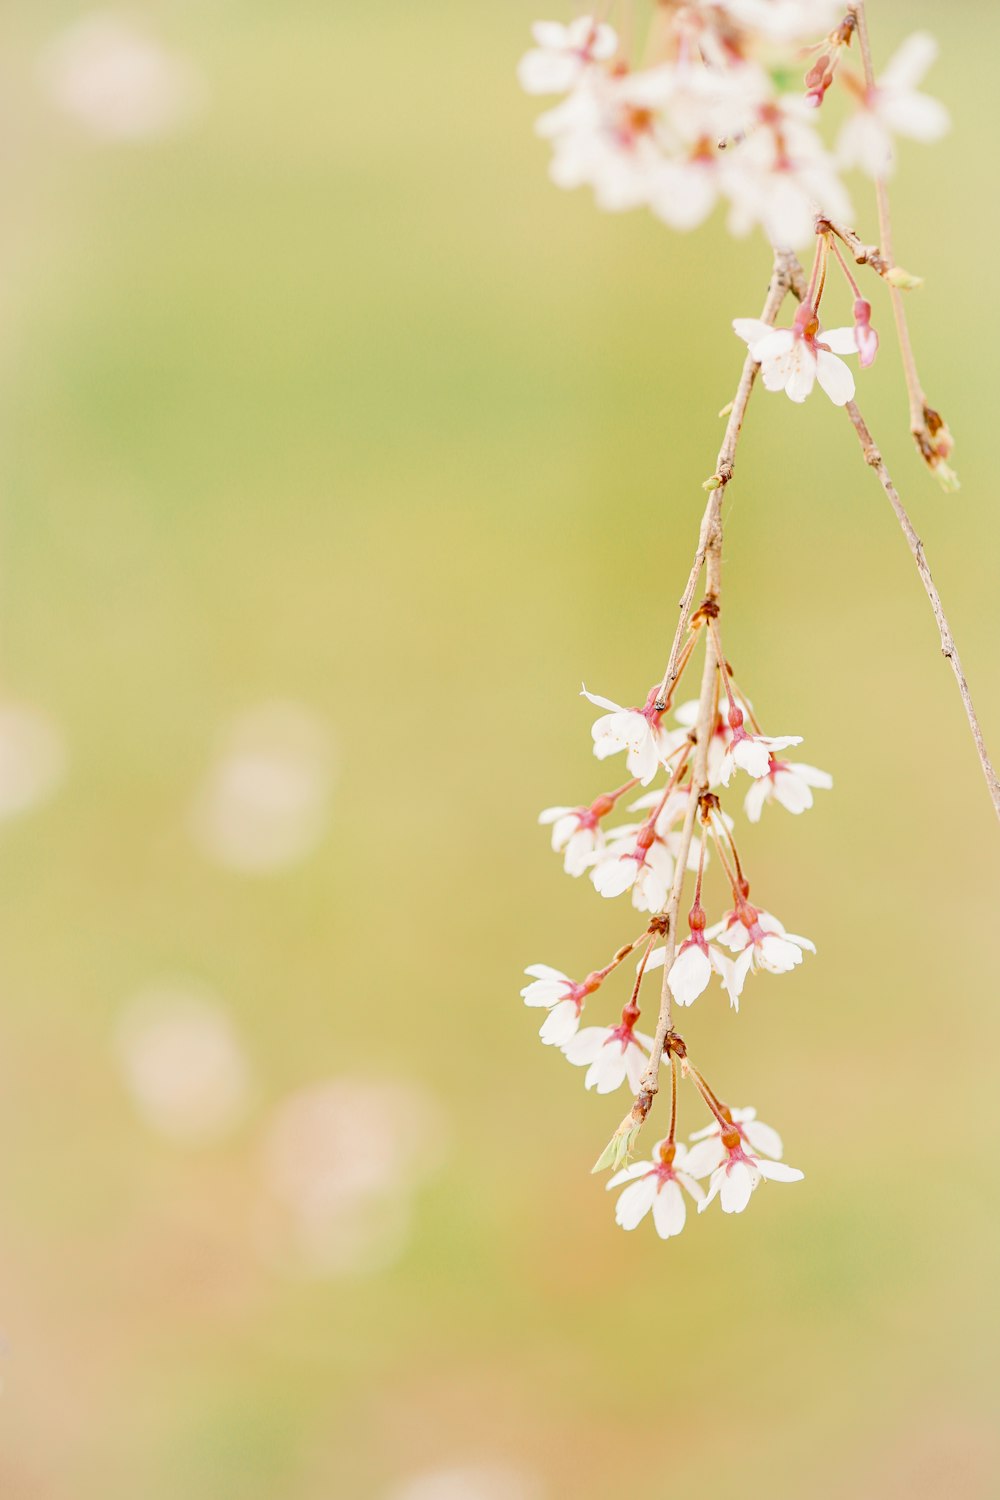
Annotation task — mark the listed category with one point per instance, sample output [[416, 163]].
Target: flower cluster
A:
[[699, 750], [719, 111]]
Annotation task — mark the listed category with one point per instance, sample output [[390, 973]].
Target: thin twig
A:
[[776, 294], [864, 255], [797, 285], [875, 461], [926, 425]]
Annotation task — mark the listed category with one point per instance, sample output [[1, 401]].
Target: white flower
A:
[[750, 752], [561, 996], [549, 986], [630, 863], [780, 176], [695, 963], [610, 1054], [563, 54], [894, 107], [793, 359], [761, 942], [784, 20], [637, 731], [739, 1172], [606, 134], [705, 106], [709, 1151], [656, 1185], [788, 782], [576, 834]]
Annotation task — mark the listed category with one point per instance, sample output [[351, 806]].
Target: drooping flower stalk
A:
[[704, 119]]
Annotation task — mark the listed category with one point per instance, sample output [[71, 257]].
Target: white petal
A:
[[690, 973], [835, 378], [763, 1138], [759, 793], [627, 1174], [705, 1156], [613, 876], [635, 1066], [560, 1024], [840, 340], [792, 792], [779, 1171], [811, 775], [908, 64], [777, 955], [752, 756], [553, 814], [801, 377], [739, 1182], [917, 116], [585, 1046], [607, 1072], [669, 1210], [601, 702], [636, 1201], [752, 331]]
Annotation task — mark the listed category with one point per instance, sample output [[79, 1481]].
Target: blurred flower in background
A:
[[264, 803], [474, 1482], [183, 1063], [342, 1162], [118, 82], [32, 758]]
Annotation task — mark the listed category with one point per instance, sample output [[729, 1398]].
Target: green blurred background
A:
[[332, 398]]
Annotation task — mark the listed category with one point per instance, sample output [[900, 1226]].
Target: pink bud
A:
[[864, 334]]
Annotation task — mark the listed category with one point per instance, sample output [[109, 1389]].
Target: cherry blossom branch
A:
[[777, 291], [709, 555], [873, 457], [927, 426]]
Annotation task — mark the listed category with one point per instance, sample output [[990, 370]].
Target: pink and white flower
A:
[[780, 176], [760, 941], [793, 359], [789, 783], [695, 963], [709, 1152], [561, 996], [607, 135], [610, 1054], [564, 53], [576, 834], [739, 1172], [750, 752], [637, 731], [894, 107], [638, 860], [657, 1185]]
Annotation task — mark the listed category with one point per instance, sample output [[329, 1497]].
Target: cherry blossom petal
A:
[[835, 378], [560, 1024], [840, 340], [778, 1171], [669, 1210], [689, 973], [635, 1202], [764, 1139]]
